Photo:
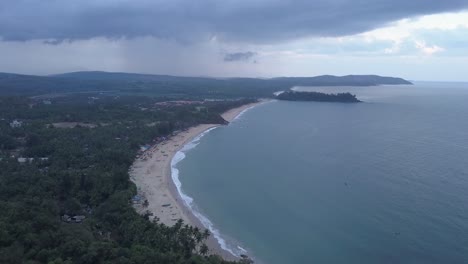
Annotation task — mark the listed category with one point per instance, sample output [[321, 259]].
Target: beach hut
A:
[[136, 199], [66, 218], [78, 218], [144, 148]]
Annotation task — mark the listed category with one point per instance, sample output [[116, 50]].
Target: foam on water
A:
[[247, 109], [188, 201], [242, 113]]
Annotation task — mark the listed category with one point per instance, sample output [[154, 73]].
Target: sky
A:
[[413, 39]]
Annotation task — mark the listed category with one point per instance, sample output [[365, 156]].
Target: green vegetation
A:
[[84, 171], [171, 86], [318, 97]]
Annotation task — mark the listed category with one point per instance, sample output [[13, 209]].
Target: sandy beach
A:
[[151, 172]]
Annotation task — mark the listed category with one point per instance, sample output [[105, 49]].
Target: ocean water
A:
[[384, 181]]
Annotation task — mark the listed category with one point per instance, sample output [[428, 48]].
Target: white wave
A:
[[188, 201], [242, 249], [247, 109]]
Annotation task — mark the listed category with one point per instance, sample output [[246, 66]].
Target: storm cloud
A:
[[250, 21]]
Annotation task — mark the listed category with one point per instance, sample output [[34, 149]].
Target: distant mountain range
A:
[[348, 80], [175, 86], [353, 80]]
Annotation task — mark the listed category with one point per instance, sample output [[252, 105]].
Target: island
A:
[[318, 97]]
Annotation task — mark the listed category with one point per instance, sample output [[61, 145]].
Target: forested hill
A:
[[348, 80], [359, 80], [318, 97], [174, 86]]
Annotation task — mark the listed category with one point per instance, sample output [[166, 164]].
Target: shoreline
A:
[[152, 173]]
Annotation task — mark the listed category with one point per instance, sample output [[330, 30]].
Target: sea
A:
[[382, 181]]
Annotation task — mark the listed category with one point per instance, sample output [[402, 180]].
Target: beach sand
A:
[[151, 172]]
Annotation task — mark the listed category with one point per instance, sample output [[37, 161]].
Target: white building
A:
[[24, 160], [15, 123]]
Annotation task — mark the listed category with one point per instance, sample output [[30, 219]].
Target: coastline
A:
[[152, 173]]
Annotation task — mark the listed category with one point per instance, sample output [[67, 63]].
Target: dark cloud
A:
[[239, 56], [189, 20]]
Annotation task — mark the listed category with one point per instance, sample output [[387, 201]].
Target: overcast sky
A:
[[414, 39]]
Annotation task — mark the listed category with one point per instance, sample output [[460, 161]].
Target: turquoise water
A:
[[385, 181]]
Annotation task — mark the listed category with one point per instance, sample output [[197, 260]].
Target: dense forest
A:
[[318, 97], [172, 86], [64, 185]]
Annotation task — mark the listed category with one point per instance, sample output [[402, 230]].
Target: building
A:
[[73, 219], [78, 218], [30, 160], [24, 160], [15, 124], [136, 199]]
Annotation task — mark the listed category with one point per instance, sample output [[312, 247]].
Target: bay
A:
[[384, 181]]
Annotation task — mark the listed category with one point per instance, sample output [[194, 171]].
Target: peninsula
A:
[[318, 97]]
